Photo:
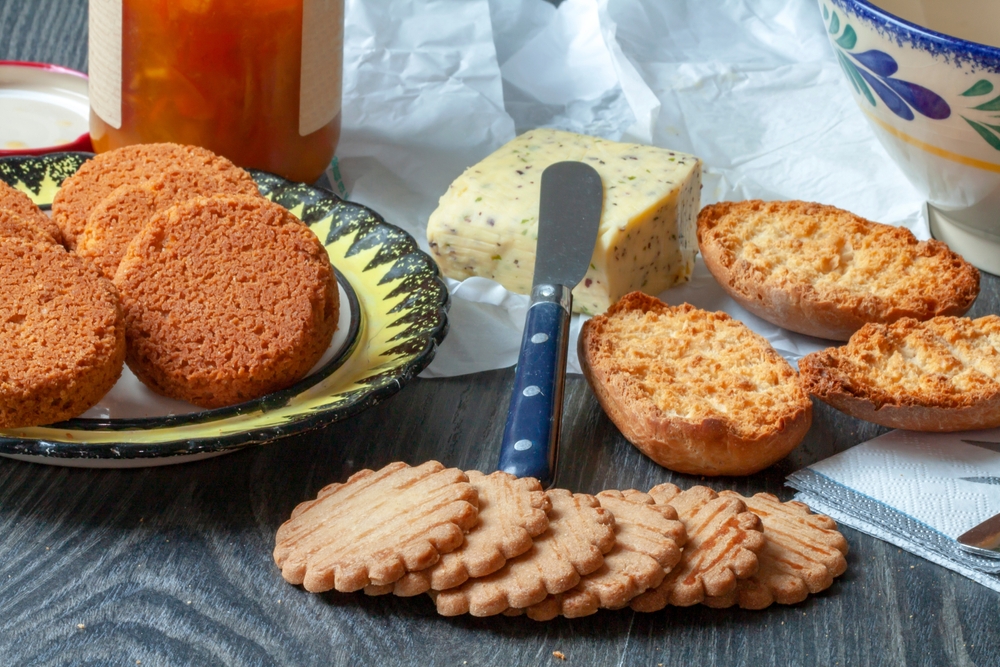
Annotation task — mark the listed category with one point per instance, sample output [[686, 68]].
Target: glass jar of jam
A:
[[258, 81]]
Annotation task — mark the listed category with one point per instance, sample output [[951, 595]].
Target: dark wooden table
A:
[[170, 566]]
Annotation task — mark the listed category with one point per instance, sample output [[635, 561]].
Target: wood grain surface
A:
[[172, 566]]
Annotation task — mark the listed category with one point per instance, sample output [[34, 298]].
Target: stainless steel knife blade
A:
[[569, 215], [983, 539]]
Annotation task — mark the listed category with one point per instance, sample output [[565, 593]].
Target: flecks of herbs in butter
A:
[[486, 224]]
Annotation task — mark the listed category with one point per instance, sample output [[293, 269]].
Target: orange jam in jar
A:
[[258, 81]]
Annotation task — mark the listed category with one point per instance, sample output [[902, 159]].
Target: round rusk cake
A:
[[226, 299], [123, 213], [62, 334], [80, 194], [18, 226], [17, 202]]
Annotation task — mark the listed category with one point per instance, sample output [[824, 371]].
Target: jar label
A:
[[105, 55], [322, 53]]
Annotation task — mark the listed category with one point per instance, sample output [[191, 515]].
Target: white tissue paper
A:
[[751, 87], [918, 491]]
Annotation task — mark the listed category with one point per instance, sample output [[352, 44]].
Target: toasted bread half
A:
[[697, 392], [938, 375], [825, 272]]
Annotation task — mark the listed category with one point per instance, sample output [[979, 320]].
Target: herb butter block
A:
[[486, 224]]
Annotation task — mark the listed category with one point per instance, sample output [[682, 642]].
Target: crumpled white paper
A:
[[749, 86]]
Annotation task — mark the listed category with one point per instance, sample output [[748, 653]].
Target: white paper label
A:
[[322, 63], [105, 55]]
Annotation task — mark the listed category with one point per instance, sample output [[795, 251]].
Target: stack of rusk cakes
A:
[[164, 257], [700, 393], [911, 360]]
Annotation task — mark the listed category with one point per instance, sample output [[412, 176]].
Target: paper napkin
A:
[[918, 491]]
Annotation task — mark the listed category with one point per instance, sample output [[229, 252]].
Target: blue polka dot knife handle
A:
[[531, 438], [569, 216]]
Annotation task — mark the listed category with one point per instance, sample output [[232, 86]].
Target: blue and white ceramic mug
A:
[[933, 100]]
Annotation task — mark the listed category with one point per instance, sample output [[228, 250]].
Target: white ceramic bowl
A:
[[934, 103]]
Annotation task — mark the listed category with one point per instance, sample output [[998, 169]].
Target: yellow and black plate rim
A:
[[398, 304]]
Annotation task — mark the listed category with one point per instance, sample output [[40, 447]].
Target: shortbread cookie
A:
[[14, 200], [226, 299], [121, 215], [62, 334], [939, 375], [803, 553], [100, 175], [376, 527], [580, 533], [512, 512], [648, 541], [697, 392], [723, 540], [822, 271], [14, 225]]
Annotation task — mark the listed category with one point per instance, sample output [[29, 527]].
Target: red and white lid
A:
[[43, 109]]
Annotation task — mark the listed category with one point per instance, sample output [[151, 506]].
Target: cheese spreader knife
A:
[[984, 539], [569, 215]]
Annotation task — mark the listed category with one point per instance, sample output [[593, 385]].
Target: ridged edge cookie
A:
[[803, 553], [580, 533], [648, 541], [723, 541], [376, 527], [512, 512]]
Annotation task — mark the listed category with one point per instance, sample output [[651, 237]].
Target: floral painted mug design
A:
[[932, 100]]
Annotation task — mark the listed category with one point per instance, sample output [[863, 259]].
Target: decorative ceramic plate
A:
[[393, 305]]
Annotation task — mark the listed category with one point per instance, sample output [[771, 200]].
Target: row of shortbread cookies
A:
[[492, 544]]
